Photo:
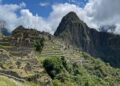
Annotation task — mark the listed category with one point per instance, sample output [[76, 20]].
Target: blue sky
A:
[[45, 15], [35, 5]]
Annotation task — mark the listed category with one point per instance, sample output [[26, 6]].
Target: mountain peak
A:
[[68, 22], [20, 26], [72, 14], [71, 17]]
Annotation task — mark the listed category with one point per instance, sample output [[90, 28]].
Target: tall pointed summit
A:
[[73, 30], [70, 20]]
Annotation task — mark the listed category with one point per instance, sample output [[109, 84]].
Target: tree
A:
[[39, 44]]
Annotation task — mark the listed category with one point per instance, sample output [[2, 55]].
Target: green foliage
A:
[[4, 81], [67, 66], [53, 66], [39, 44], [93, 73], [57, 83]]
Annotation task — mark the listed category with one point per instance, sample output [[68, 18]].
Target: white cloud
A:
[[8, 14], [60, 10], [95, 14], [77, 2], [27, 19], [23, 5], [104, 12], [44, 4]]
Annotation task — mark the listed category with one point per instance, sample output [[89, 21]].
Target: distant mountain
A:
[[5, 31], [100, 44], [107, 28]]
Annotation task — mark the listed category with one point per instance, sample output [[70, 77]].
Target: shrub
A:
[[53, 66], [39, 44]]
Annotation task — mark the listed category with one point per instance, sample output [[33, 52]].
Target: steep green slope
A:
[[90, 72], [68, 66]]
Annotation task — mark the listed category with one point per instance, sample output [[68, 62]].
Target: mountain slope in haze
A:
[[100, 44], [4, 32]]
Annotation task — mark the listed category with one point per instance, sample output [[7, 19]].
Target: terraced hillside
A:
[[76, 68], [59, 64], [56, 47], [20, 64]]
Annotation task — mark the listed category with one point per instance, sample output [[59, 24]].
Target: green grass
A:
[[5, 81]]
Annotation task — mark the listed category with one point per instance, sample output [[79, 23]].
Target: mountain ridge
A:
[[100, 44]]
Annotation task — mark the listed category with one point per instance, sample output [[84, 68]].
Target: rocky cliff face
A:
[[100, 44], [74, 31]]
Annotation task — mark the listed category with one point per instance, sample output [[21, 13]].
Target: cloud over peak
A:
[[95, 13]]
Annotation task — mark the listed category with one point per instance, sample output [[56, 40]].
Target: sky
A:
[[45, 15], [43, 7]]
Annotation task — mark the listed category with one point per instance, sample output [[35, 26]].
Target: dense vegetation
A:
[[92, 73], [39, 44]]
